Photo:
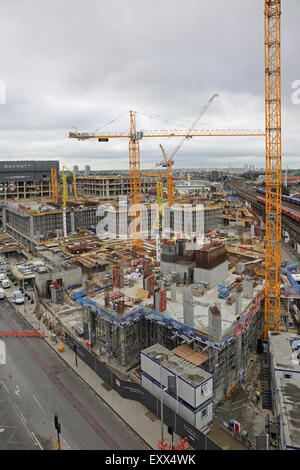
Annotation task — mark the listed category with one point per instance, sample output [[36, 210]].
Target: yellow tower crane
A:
[[273, 164], [54, 191], [134, 137], [168, 161]]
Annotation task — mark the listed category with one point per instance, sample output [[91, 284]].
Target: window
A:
[[204, 413], [287, 376], [205, 390]]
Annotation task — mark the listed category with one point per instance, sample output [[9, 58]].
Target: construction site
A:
[[178, 290], [197, 281]]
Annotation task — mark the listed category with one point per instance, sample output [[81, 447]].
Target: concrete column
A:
[[72, 219], [252, 231], [188, 307], [122, 346], [248, 288], [31, 226], [173, 292], [214, 321]]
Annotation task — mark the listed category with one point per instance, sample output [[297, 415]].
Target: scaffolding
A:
[[120, 339]]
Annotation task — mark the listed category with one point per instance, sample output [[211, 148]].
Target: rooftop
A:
[[289, 392], [283, 353], [187, 370]]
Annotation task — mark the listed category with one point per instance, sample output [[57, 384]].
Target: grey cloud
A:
[[82, 63]]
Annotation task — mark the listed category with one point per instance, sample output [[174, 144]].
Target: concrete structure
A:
[[188, 307], [32, 222], [215, 321], [248, 287], [211, 277], [69, 277], [211, 265], [111, 186]]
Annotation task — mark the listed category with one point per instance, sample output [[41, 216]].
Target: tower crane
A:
[[135, 137], [159, 213], [168, 161], [273, 164]]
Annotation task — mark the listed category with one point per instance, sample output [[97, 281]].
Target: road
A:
[[36, 384]]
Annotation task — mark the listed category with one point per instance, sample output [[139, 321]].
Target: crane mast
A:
[[273, 164], [135, 182]]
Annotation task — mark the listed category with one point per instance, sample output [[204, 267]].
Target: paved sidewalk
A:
[[132, 412]]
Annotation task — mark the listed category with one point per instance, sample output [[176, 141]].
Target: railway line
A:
[[286, 220]]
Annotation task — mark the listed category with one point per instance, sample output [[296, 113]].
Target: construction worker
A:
[[257, 396], [238, 318]]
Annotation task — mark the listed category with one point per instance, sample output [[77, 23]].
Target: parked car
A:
[[6, 283], [2, 295], [18, 297]]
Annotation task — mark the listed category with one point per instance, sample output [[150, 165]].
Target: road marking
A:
[[23, 421], [66, 444], [20, 412], [38, 442], [17, 390], [34, 397], [4, 384]]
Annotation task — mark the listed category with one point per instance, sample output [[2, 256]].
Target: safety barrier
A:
[[22, 333]]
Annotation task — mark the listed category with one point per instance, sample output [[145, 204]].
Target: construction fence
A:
[[135, 391]]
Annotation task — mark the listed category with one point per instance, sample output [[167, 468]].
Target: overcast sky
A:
[[75, 63]]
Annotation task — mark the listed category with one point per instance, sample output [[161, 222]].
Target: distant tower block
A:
[[248, 288], [214, 321], [239, 301]]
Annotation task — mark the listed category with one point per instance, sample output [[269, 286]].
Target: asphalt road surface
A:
[[35, 384]]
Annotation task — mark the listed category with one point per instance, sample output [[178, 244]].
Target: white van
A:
[[2, 295], [6, 283], [18, 297]]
